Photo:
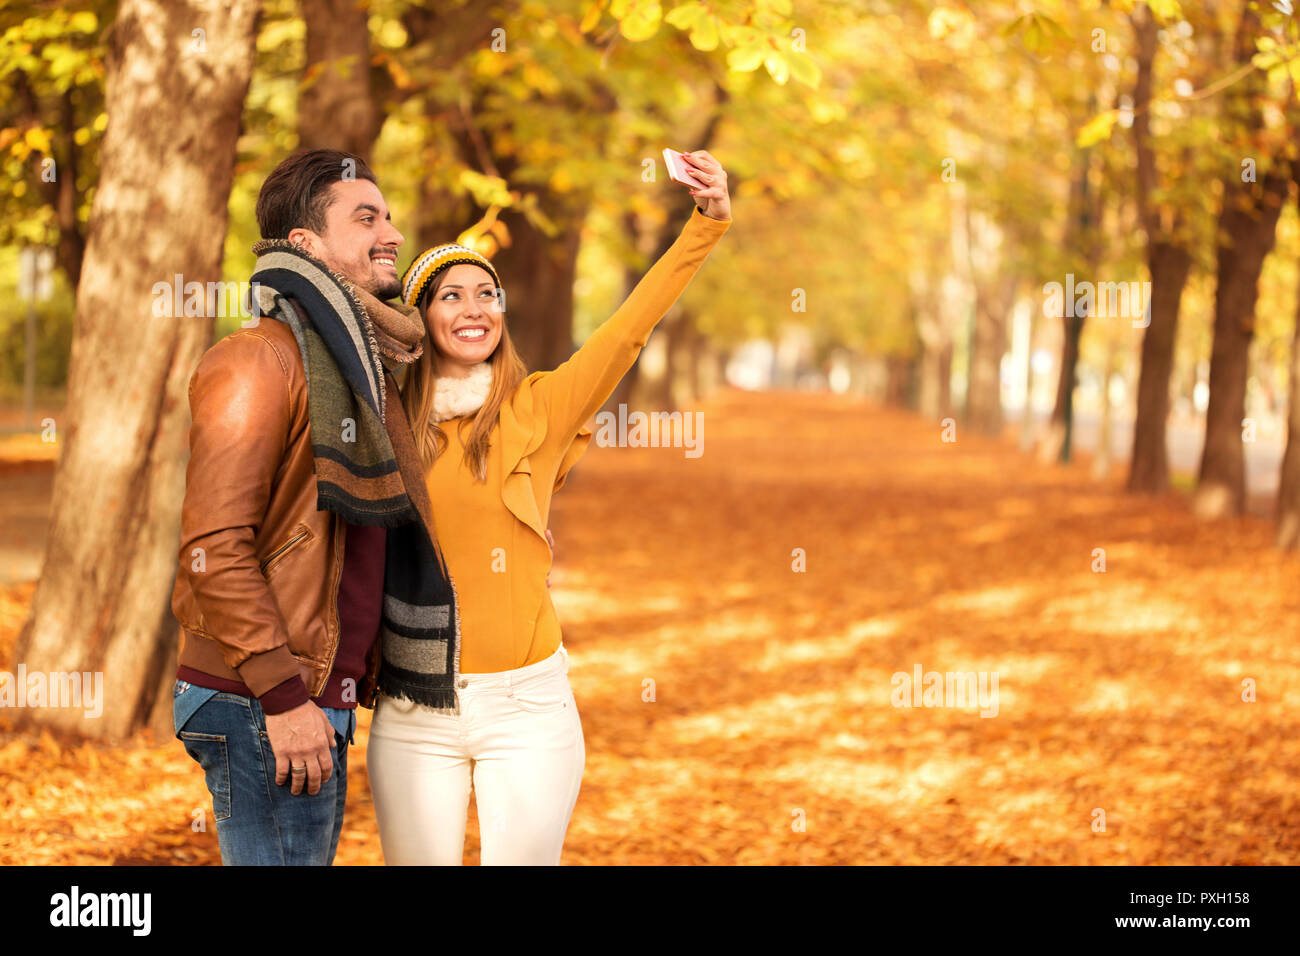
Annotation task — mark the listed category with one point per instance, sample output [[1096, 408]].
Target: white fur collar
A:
[[454, 397]]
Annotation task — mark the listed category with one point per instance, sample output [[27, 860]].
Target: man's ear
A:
[[306, 240]]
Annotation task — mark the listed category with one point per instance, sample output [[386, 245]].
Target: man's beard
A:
[[380, 287], [387, 289]]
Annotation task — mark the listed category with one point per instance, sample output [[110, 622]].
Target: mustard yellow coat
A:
[[493, 534]]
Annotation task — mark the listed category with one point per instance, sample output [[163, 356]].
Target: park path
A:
[[772, 737]]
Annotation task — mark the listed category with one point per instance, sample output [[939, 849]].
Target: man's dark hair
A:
[[297, 192]]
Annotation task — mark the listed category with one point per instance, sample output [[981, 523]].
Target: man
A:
[[306, 541]]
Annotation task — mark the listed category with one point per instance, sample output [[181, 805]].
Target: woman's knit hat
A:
[[424, 271]]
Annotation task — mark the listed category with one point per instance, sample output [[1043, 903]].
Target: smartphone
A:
[[680, 171]]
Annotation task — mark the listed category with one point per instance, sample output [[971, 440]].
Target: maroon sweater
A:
[[361, 598]]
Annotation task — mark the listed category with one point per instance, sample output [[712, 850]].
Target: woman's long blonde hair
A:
[[508, 371]]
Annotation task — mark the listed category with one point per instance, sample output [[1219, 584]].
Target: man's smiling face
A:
[[358, 240]]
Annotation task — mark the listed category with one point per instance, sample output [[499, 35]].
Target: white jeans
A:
[[518, 734]]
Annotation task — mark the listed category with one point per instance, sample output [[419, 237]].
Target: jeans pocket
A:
[[209, 751], [542, 696], [399, 705]]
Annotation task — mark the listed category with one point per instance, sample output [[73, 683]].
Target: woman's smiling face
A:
[[464, 318]]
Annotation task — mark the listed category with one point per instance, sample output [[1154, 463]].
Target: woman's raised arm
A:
[[576, 390]]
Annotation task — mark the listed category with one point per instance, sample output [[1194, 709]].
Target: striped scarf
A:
[[367, 468]]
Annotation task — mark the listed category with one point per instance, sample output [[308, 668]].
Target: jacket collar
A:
[[454, 397]]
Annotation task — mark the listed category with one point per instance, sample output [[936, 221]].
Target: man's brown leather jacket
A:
[[257, 590]]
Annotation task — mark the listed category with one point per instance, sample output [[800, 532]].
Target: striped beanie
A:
[[422, 273]]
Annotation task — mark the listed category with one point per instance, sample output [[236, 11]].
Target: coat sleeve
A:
[[240, 411], [576, 390]]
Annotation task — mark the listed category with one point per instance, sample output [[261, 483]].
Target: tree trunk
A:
[[1027, 426], [166, 165], [721, 358], [666, 235], [538, 272], [704, 364], [934, 334], [661, 392], [988, 345], [1247, 230], [1101, 462], [441, 216], [1288, 492], [935, 398], [631, 383], [898, 380], [1169, 264], [336, 107], [1149, 463], [685, 367], [945, 380], [1081, 237], [984, 406], [62, 192], [1060, 428], [437, 42], [71, 248]]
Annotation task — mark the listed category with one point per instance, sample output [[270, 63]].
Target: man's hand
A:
[[301, 740], [713, 200]]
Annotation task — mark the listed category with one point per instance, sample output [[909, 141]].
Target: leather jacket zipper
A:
[[340, 532], [279, 552]]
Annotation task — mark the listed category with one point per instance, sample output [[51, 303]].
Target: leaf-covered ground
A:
[[772, 737]]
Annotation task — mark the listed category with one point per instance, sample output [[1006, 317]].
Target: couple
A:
[[348, 540]]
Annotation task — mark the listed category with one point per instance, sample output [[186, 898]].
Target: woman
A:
[[496, 444]]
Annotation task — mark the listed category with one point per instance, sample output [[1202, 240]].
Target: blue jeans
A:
[[260, 823]]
